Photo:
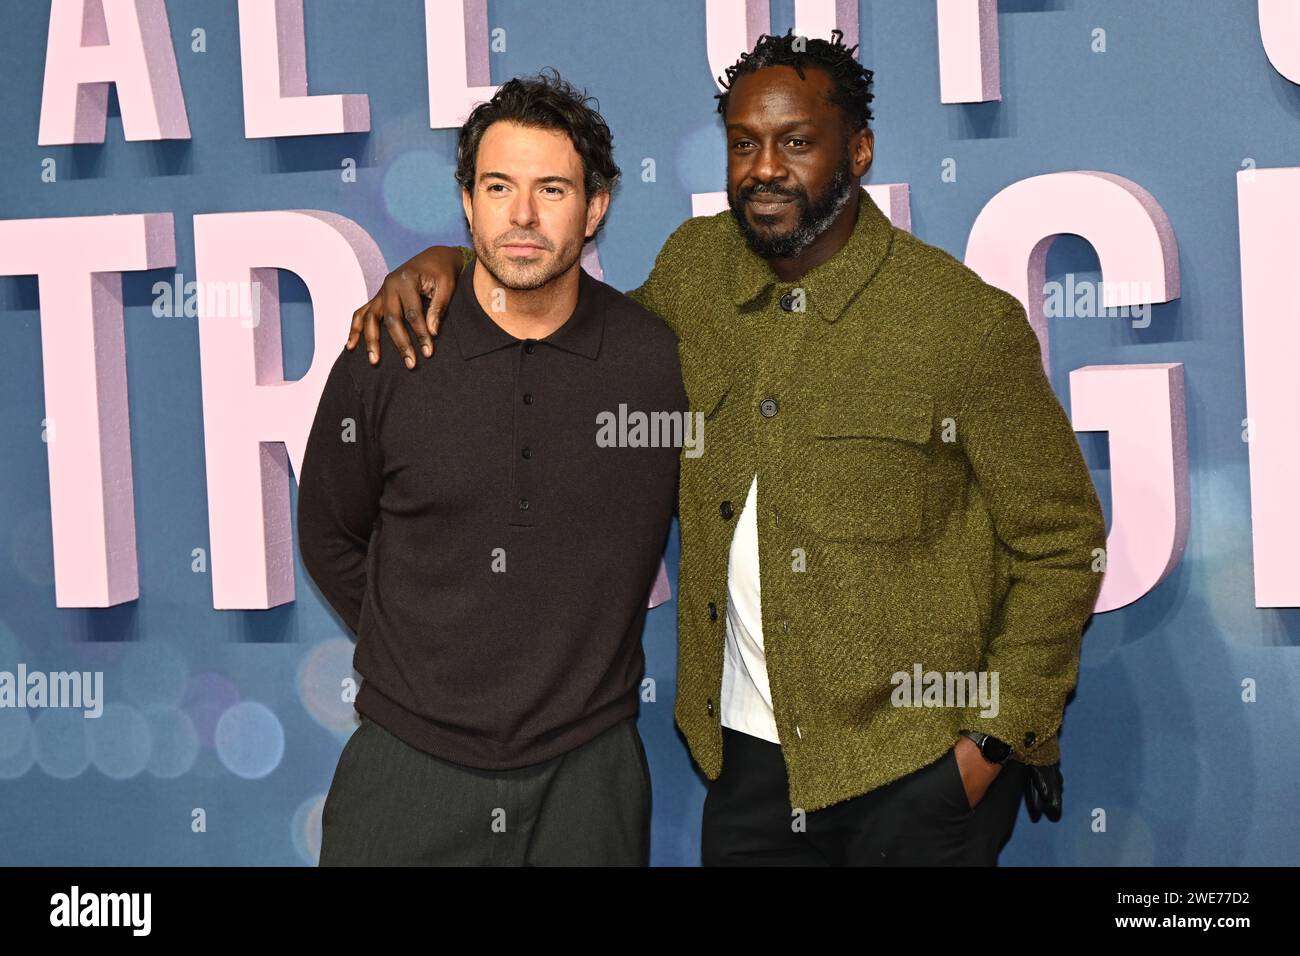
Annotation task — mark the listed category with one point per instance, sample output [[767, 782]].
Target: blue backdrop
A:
[[231, 711]]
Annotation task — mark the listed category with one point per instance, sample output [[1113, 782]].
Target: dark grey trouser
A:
[[393, 805]]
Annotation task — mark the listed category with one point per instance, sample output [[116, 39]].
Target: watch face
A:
[[995, 750]]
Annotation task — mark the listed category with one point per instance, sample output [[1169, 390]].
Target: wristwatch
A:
[[991, 748]]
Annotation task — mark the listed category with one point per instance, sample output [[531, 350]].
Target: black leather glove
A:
[[1043, 786]]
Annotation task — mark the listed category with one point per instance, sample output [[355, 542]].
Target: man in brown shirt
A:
[[491, 534]]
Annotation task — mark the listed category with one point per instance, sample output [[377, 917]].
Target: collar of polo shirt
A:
[[476, 334]]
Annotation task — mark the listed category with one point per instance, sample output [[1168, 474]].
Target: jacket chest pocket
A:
[[865, 471]]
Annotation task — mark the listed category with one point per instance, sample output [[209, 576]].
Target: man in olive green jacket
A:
[[880, 417]]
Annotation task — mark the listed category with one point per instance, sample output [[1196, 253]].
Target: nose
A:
[[523, 209], [768, 165]]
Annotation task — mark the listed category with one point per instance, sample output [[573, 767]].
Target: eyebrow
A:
[[784, 127], [493, 174]]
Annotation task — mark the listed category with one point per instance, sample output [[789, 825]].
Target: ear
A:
[[468, 206], [597, 206], [862, 147]]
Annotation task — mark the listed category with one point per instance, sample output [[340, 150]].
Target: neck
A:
[[527, 313], [823, 247]]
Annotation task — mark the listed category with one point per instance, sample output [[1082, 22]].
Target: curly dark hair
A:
[[544, 101], [852, 91]]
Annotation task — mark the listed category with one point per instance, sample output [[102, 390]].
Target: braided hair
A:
[[852, 89]]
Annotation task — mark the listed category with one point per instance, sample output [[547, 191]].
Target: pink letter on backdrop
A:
[[969, 60], [1135, 244], [660, 593], [92, 43], [273, 56], [895, 201], [1142, 408], [456, 46], [1279, 28], [733, 27], [1138, 253], [1268, 210], [251, 415], [730, 28], [78, 262]]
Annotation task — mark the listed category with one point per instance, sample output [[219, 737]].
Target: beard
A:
[[815, 214], [525, 275]]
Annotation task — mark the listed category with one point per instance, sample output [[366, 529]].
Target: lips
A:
[[768, 204]]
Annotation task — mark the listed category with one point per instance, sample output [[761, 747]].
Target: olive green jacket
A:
[[923, 504]]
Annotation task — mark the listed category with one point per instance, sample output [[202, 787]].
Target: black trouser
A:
[[393, 805], [921, 819]]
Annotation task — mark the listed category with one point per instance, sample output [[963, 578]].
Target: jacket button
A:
[[713, 611], [1030, 738], [727, 510], [710, 706], [787, 302], [767, 407]]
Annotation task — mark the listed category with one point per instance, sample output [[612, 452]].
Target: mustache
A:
[[768, 189], [531, 240]]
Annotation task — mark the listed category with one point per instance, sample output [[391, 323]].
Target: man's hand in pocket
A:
[[977, 774]]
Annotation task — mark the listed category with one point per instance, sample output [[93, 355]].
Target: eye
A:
[[742, 144], [797, 142], [555, 190], [491, 186]]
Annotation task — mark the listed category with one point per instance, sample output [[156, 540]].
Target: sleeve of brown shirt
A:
[[338, 494]]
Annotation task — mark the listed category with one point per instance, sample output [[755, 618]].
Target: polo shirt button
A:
[[727, 510], [710, 706], [530, 347], [528, 398], [787, 302], [1030, 738], [523, 504], [785, 626], [767, 407], [527, 453], [713, 611]]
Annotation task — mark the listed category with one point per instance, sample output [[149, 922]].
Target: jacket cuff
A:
[[1033, 739]]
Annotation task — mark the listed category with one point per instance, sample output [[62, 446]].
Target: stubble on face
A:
[[816, 213], [524, 272], [793, 162]]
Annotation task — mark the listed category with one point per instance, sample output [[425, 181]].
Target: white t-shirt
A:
[[746, 697]]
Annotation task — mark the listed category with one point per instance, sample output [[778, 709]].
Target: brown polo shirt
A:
[[493, 554]]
